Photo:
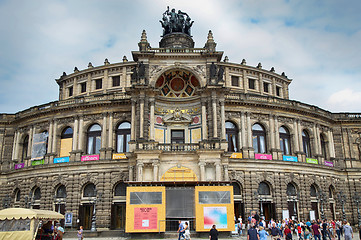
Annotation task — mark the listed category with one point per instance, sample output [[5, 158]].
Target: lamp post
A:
[[294, 199], [321, 198], [29, 200], [356, 199], [6, 201], [342, 199], [260, 199], [95, 200], [57, 201]]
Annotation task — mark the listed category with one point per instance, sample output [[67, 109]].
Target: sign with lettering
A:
[[263, 156], [236, 155], [312, 160], [61, 160], [290, 158], [119, 156], [68, 219], [146, 218], [19, 165], [329, 164], [89, 158], [37, 162]]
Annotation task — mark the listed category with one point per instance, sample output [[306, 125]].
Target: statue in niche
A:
[[213, 70], [141, 70], [220, 74], [134, 76]]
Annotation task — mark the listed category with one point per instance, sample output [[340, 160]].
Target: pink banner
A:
[[263, 156], [145, 218], [329, 164], [18, 166], [89, 158]]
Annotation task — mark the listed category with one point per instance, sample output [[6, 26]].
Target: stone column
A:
[[151, 122], [249, 130], [132, 129], [295, 136], [141, 117], [272, 131], [155, 171], [131, 169], [50, 140], [277, 134], [202, 170], [14, 145], [55, 135], [317, 140], [75, 134], [214, 111], [30, 147], [226, 175], [204, 119], [243, 131], [218, 171], [299, 132], [223, 120], [140, 172], [81, 134], [332, 144], [110, 131], [104, 132]]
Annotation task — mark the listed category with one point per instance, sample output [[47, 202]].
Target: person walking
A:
[[252, 233], [288, 233], [80, 233], [187, 233], [347, 229], [213, 233], [262, 234], [275, 232], [315, 230], [338, 229], [180, 230]]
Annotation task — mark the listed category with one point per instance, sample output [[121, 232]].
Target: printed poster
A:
[[146, 218], [215, 216]]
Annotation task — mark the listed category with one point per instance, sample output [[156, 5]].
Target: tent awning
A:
[[23, 213]]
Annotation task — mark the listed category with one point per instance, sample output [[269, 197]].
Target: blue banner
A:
[[61, 160], [290, 158]]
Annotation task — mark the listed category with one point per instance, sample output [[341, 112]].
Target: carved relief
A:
[[201, 70], [154, 70]]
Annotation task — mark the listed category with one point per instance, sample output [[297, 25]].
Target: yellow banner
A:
[[236, 155], [119, 156]]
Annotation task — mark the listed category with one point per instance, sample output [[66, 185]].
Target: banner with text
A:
[[311, 160], [61, 160], [329, 164], [290, 158], [263, 156], [37, 162], [89, 158], [19, 166]]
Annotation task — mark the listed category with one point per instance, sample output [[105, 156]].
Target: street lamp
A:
[[321, 198], [294, 199], [57, 201], [342, 199], [6, 201], [95, 200], [259, 198], [356, 199]]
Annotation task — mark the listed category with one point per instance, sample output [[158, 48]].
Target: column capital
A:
[[202, 164]]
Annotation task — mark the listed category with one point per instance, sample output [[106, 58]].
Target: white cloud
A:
[[345, 100]]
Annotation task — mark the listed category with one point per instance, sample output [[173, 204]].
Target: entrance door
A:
[[269, 211], [314, 207], [332, 211], [292, 209], [239, 210], [118, 216], [85, 215]]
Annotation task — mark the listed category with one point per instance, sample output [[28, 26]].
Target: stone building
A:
[[180, 117]]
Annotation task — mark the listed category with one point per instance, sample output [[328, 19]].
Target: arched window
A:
[[25, 146], [232, 137], [313, 191], [236, 189], [94, 139], [264, 189], [323, 146], [306, 143], [123, 137], [17, 195], [259, 139], [331, 192], [61, 192], [285, 141], [66, 142], [89, 190], [291, 190], [37, 194], [120, 189]]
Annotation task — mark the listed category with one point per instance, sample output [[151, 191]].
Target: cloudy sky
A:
[[316, 43]]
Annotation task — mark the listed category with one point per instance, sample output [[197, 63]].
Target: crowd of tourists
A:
[[288, 229]]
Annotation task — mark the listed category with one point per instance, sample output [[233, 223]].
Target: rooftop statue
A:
[[176, 22]]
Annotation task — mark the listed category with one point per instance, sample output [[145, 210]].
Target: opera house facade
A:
[[179, 133]]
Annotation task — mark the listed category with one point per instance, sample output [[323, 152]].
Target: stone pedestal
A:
[[176, 40]]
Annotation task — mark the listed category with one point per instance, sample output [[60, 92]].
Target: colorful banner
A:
[[37, 162], [119, 156], [290, 158], [311, 160], [329, 164], [146, 218], [61, 160], [236, 155], [19, 166], [215, 216], [263, 156], [89, 158]]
